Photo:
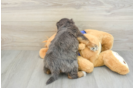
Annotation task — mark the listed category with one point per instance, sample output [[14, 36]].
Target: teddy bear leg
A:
[[42, 52], [115, 62], [99, 61], [85, 65]]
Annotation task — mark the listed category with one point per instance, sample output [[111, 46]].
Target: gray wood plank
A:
[[3, 52], [19, 72], [7, 59]]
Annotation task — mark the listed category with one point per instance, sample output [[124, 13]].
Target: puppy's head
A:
[[64, 22]]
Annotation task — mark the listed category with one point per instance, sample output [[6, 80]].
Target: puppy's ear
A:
[[57, 24], [72, 21]]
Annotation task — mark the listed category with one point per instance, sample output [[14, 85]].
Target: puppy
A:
[[63, 50]]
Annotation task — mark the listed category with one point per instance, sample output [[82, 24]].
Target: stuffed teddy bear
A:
[[89, 59]]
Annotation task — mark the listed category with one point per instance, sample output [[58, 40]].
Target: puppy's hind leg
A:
[[46, 70]]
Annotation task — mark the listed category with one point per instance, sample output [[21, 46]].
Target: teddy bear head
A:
[[86, 52]]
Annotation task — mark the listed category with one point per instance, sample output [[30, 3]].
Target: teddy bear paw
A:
[[84, 73]]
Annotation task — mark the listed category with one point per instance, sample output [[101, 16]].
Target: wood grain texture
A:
[[18, 73], [24, 69], [26, 23]]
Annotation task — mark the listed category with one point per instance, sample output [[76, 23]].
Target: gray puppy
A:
[[63, 50]]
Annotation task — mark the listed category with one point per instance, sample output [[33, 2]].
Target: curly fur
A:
[[62, 53]]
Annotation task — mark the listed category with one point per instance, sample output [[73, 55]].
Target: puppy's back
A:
[[64, 42], [62, 54]]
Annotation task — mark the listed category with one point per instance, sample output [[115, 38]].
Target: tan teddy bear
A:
[[89, 59]]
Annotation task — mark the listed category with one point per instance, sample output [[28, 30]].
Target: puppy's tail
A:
[[52, 78]]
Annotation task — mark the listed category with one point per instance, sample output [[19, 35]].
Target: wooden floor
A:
[[24, 69]]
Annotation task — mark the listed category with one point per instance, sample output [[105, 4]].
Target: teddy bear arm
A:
[[107, 46], [107, 42], [48, 41], [85, 65], [42, 52], [81, 46]]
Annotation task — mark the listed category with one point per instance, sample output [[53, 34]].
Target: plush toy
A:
[[43, 51], [89, 59]]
